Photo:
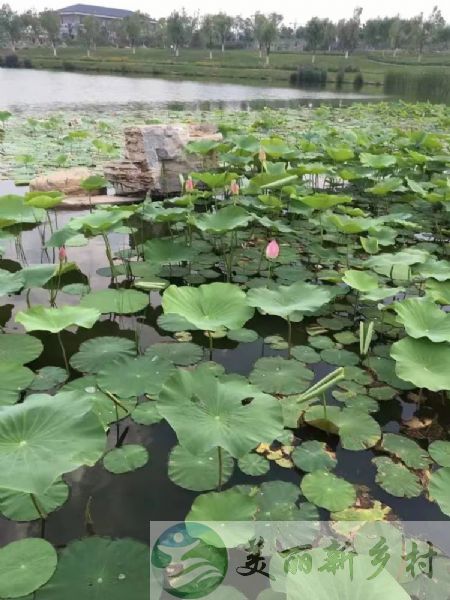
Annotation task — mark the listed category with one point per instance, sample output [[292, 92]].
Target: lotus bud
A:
[[189, 185], [272, 250], [62, 254], [234, 188], [262, 155]]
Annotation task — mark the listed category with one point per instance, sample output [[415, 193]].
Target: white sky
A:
[[294, 11]]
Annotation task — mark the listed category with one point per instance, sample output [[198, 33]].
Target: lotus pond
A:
[[273, 344]]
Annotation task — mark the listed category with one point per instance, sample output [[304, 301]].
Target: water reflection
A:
[[32, 90]]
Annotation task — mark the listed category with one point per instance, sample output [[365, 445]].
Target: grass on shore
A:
[[231, 65]]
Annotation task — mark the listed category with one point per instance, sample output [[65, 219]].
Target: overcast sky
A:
[[294, 12]]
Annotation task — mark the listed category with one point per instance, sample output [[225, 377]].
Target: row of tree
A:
[[181, 30]]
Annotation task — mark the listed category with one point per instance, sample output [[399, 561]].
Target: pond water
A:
[[33, 90]]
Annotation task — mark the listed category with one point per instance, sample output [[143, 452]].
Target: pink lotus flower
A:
[[234, 188], [262, 155], [272, 250], [189, 185], [62, 254]]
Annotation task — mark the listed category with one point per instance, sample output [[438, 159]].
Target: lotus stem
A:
[[324, 401], [210, 345], [116, 401], [40, 511], [63, 350], [289, 337], [219, 454], [109, 254]]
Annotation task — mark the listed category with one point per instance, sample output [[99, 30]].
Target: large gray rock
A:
[[155, 157]]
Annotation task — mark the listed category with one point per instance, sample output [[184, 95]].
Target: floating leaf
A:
[[146, 413], [25, 566], [305, 354], [407, 450], [313, 456], [199, 472], [231, 505], [19, 506], [324, 489], [48, 378], [242, 335], [439, 489], [96, 353], [56, 319], [396, 479], [19, 348], [276, 375], [363, 281], [440, 453], [125, 458], [334, 356], [181, 353], [253, 464], [13, 379]]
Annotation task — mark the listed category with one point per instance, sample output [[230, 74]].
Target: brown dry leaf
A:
[[274, 455], [285, 463], [262, 448]]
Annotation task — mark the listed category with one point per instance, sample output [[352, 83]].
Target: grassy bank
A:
[[241, 65]]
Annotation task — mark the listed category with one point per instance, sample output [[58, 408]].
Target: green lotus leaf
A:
[[328, 491], [225, 219], [387, 186], [340, 153], [377, 161], [121, 302], [10, 282], [313, 456], [377, 512], [180, 353], [342, 358], [96, 353], [388, 264], [305, 354], [13, 209], [324, 201], [199, 472], [321, 342], [99, 221], [25, 566], [423, 363], [407, 450], [278, 500], [48, 378], [215, 181], [276, 375], [208, 307], [19, 506], [102, 405], [45, 437], [358, 403], [385, 369], [291, 301], [396, 479], [382, 392], [206, 412], [346, 338], [13, 379], [93, 183], [363, 281], [19, 348], [39, 275], [245, 336], [146, 413], [231, 505], [45, 200], [135, 376], [439, 489], [125, 458], [39, 318], [174, 322], [97, 567], [422, 318], [168, 252], [202, 146], [357, 430], [434, 269], [440, 453], [348, 224], [253, 464], [439, 291], [381, 294]]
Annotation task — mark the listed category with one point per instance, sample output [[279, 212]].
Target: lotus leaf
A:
[[324, 201], [135, 376], [167, 252], [19, 506], [206, 412], [422, 318], [242, 335], [10, 282], [25, 566], [121, 302], [231, 505], [125, 458], [440, 453], [363, 281], [277, 501], [98, 567], [225, 219], [342, 358], [423, 363], [39, 318], [305, 354], [19, 348], [199, 472], [146, 413], [181, 353], [253, 464], [289, 301], [439, 489], [313, 456], [396, 479], [209, 307], [13, 379], [47, 378], [328, 491], [96, 353], [407, 450], [276, 375]]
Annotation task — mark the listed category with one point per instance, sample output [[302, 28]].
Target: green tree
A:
[[50, 24], [223, 24], [177, 30], [319, 34], [11, 26], [209, 31], [348, 31], [90, 32], [133, 26]]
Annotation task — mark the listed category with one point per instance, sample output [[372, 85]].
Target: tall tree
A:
[[11, 25], [50, 24], [180, 27], [209, 31], [319, 34], [266, 28], [90, 32], [223, 24], [133, 26], [348, 31]]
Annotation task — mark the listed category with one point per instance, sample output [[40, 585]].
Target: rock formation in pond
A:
[[155, 157], [67, 181]]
